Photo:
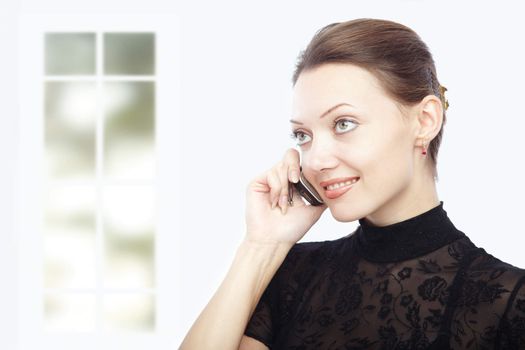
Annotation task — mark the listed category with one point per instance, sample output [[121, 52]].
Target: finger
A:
[[275, 187], [283, 194], [261, 188], [292, 158], [261, 178], [259, 183]]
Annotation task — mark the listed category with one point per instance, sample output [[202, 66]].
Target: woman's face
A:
[[369, 138]]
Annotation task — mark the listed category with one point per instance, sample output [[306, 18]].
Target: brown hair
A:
[[392, 52]]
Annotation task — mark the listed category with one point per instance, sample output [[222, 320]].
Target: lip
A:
[[335, 181], [332, 194]]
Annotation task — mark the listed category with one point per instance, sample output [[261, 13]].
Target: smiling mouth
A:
[[337, 190], [341, 184]]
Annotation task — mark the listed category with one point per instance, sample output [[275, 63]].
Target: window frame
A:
[[29, 208]]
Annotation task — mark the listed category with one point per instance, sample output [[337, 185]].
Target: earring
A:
[[424, 149]]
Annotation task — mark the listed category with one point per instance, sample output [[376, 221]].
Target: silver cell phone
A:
[[306, 190]]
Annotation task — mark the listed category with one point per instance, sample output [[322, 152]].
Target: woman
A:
[[367, 106]]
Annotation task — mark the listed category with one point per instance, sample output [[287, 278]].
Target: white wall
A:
[[237, 64], [8, 141]]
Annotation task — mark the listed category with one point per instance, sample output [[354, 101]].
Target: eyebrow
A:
[[325, 113]]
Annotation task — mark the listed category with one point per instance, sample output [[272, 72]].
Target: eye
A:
[[300, 136], [344, 123]]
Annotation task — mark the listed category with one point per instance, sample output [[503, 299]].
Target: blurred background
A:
[[131, 130], [120, 91]]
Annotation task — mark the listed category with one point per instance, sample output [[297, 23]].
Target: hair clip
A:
[[442, 90]]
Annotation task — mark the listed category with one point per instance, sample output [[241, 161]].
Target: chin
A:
[[344, 215]]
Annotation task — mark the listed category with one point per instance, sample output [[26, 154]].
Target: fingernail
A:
[[283, 209], [295, 177], [273, 203], [283, 200]]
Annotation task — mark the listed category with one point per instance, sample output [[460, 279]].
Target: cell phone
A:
[[306, 190]]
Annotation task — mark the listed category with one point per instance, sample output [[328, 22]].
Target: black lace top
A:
[[416, 284]]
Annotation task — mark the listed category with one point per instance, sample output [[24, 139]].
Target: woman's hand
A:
[[268, 216]]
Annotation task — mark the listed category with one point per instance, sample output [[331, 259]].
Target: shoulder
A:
[[494, 268], [479, 264], [498, 285], [487, 297], [496, 280], [505, 282]]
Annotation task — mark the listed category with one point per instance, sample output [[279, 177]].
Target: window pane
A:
[[70, 53], [69, 312], [129, 53], [69, 237], [70, 113], [129, 236], [129, 130], [129, 312]]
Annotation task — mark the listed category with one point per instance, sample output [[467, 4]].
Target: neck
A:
[[419, 197], [406, 239]]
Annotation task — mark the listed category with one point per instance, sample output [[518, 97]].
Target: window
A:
[[95, 90]]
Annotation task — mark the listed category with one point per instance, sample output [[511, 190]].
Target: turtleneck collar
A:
[[406, 239]]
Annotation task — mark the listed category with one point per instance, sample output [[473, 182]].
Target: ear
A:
[[428, 119]]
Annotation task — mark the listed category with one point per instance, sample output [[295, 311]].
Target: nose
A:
[[320, 157]]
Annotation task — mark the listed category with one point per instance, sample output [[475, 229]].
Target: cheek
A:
[[389, 162]]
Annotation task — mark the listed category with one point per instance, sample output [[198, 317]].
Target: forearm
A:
[[222, 323]]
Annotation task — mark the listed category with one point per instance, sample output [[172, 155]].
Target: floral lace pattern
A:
[[333, 295]]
